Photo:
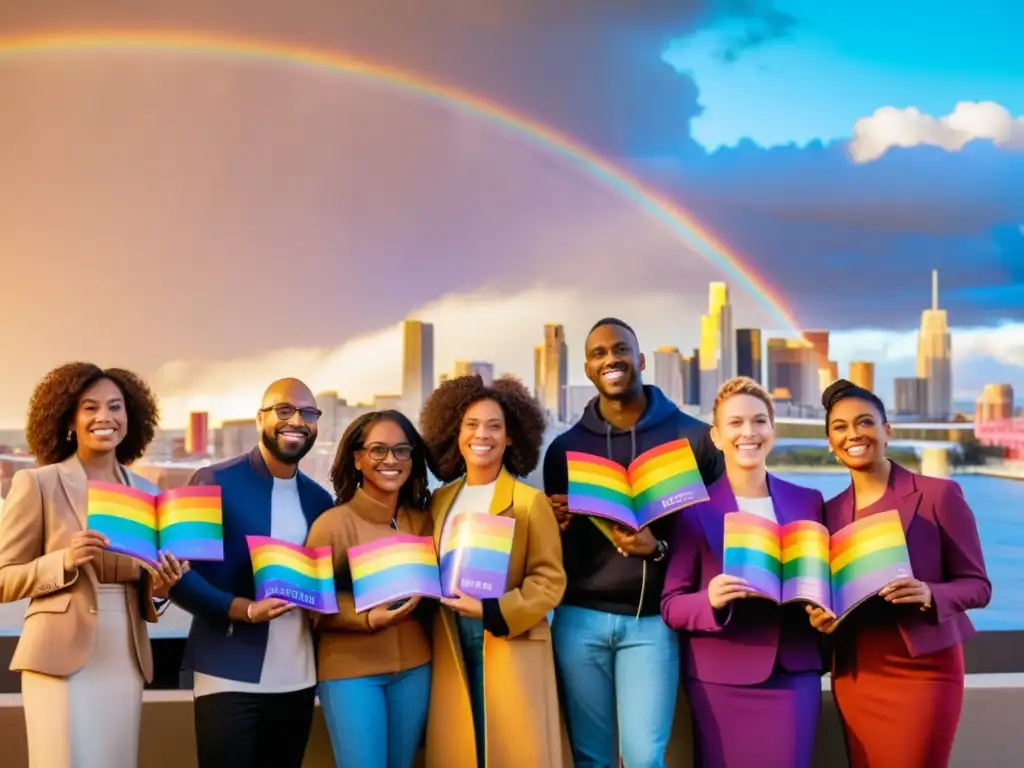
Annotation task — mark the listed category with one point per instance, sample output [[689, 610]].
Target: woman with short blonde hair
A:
[[751, 668]]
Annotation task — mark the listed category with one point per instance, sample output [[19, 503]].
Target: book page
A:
[[476, 555], [806, 575], [190, 522], [664, 480], [393, 568], [598, 487], [127, 517], [302, 576], [866, 555], [752, 552]]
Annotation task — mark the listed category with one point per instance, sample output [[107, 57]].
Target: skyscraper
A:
[[910, 396], [691, 378], [668, 374], [197, 434], [863, 375], [793, 366], [827, 370], [417, 364], [551, 371], [748, 353], [470, 368], [935, 358], [717, 344]]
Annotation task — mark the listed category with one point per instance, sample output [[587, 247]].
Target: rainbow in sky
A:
[[680, 222]]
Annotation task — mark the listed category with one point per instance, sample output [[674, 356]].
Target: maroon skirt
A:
[[898, 711]]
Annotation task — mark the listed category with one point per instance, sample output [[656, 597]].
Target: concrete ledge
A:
[[990, 734]]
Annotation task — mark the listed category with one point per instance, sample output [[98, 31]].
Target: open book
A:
[[393, 569], [475, 554], [186, 522], [298, 575], [799, 561], [657, 483]]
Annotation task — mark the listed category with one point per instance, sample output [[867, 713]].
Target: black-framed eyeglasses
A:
[[379, 451], [284, 411]]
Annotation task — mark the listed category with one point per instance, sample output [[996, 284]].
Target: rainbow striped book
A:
[[799, 561], [186, 522], [300, 575], [475, 555], [657, 483], [392, 569]]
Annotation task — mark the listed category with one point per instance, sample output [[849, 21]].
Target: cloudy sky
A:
[[216, 222]]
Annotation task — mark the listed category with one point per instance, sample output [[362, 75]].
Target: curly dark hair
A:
[[441, 422], [344, 476], [52, 408]]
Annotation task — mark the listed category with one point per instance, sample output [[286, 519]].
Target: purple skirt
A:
[[770, 725]]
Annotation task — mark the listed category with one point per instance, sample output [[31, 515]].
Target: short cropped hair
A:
[[743, 385], [611, 321]]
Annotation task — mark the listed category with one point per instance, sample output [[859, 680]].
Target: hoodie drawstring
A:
[[632, 456]]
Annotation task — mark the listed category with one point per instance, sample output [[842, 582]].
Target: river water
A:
[[998, 506]]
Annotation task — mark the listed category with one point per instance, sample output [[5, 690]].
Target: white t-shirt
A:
[[762, 507], [472, 499], [289, 664]]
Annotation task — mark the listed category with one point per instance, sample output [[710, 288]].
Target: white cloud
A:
[[891, 127]]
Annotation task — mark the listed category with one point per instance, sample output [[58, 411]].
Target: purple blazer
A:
[[739, 646], [945, 553]]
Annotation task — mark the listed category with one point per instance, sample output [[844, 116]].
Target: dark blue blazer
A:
[[216, 645]]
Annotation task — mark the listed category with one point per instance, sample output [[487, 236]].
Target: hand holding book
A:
[[383, 616]]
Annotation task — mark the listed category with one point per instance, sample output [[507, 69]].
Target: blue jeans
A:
[[616, 670], [471, 639], [377, 721]]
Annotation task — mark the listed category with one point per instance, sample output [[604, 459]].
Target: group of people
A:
[[578, 662]]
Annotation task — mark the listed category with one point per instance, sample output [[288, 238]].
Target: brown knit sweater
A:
[[345, 645]]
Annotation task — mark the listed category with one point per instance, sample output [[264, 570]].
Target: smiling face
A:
[[483, 438], [385, 460], [857, 434], [101, 420], [288, 421], [743, 431], [614, 362]]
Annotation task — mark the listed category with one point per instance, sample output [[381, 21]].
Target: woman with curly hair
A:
[[374, 666], [484, 440], [84, 651]]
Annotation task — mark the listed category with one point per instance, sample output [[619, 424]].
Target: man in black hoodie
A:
[[618, 662]]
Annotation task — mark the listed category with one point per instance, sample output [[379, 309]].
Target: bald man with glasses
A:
[[253, 662]]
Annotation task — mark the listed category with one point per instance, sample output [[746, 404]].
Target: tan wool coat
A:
[[524, 726]]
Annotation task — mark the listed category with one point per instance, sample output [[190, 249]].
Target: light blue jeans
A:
[[377, 721], [616, 671]]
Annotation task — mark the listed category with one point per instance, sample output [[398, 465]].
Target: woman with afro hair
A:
[[84, 651], [484, 440]]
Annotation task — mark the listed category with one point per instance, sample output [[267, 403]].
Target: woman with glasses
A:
[[374, 666], [484, 440]]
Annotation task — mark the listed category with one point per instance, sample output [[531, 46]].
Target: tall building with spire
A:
[[935, 358], [717, 344]]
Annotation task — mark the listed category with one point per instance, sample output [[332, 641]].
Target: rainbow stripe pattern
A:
[[865, 556], [753, 552], [300, 575], [186, 522], [659, 482], [475, 555], [805, 563], [392, 569]]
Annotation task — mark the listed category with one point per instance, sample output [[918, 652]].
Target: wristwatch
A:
[[660, 550]]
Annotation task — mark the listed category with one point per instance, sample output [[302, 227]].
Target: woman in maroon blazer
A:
[[751, 669], [898, 666]]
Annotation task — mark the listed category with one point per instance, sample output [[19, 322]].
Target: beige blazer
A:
[[44, 507]]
